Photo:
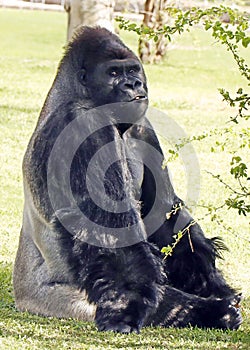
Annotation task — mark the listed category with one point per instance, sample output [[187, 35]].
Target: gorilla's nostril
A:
[[131, 84]]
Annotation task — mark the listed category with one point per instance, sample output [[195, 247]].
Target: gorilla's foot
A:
[[230, 308], [179, 309]]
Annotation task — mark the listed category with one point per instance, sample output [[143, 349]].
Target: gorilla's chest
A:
[[135, 163], [108, 164], [125, 171]]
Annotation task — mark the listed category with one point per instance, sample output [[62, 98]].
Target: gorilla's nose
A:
[[130, 84]]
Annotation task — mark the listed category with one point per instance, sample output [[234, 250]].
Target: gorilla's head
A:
[[108, 70]]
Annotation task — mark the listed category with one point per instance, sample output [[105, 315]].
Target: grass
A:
[[185, 86]]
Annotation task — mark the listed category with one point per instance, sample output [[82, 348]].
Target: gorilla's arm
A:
[[191, 268]]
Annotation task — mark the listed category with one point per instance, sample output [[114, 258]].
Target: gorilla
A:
[[99, 207]]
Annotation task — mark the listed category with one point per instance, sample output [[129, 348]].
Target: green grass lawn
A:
[[185, 87]]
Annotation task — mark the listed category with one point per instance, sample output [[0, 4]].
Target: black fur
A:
[[58, 272]]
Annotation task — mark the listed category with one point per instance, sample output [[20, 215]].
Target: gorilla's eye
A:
[[134, 69], [114, 73]]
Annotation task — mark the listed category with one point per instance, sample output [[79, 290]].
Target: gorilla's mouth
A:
[[139, 98]]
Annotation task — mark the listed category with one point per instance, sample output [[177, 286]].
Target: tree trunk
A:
[[154, 17], [89, 12]]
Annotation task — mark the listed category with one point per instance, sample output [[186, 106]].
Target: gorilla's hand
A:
[[122, 320]]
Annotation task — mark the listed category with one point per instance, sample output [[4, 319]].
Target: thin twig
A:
[[224, 183]]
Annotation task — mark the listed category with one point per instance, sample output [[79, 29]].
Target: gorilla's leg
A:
[[179, 309], [36, 292], [116, 288], [119, 290]]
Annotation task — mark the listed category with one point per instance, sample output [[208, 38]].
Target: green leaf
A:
[[246, 41], [235, 159], [132, 26], [166, 250], [180, 235], [208, 25]]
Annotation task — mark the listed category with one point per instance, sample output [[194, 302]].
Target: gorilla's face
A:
[[117, 80]]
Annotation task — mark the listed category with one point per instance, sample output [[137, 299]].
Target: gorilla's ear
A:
[[81, 75]]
